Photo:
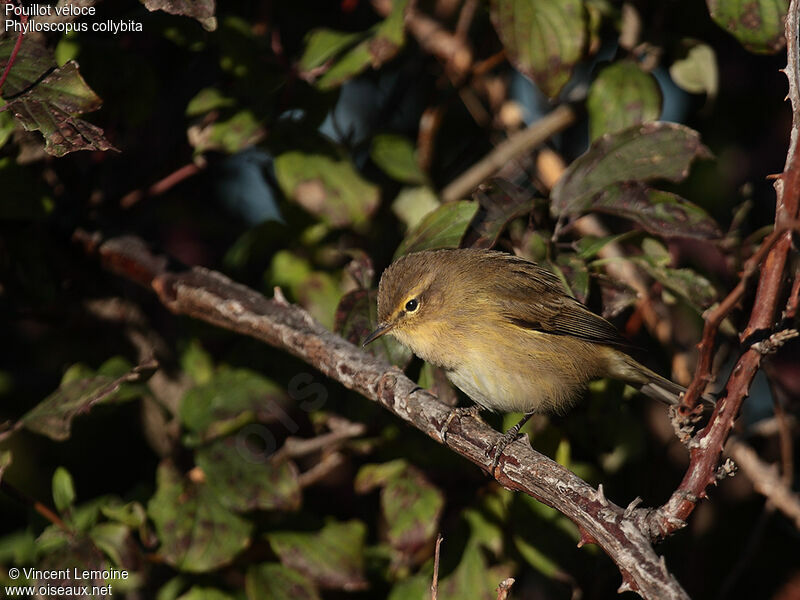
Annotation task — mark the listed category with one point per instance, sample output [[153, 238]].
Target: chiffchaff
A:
[[505, 332]]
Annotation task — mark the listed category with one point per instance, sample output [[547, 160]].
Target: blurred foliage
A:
[[303, 145]]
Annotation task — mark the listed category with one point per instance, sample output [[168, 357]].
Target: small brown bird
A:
[[505, 332]]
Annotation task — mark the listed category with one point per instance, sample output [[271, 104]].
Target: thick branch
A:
[[212, 297]]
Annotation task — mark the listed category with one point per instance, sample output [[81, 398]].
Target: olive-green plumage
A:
[[504, 330]]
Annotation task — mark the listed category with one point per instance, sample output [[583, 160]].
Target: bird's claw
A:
[[472, 411]]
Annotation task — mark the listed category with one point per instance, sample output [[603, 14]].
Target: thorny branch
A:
[[707, 446], [212, 297]]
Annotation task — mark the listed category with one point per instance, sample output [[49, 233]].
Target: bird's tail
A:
[[651, 384]]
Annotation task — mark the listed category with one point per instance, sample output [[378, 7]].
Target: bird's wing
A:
[[534, 298]]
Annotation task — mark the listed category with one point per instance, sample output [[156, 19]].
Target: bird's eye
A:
[[412, 305]]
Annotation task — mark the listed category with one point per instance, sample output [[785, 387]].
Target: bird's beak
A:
[[382, 329]]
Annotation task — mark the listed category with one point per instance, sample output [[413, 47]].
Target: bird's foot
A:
[[495, 451], [472, 411]]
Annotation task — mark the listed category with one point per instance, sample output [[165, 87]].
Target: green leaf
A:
[[86, 515], [443, 228], [396, 156], [19, 548], [113, 539], [205, 593], [206, 100], [243, 482], [622, 95], [202, 10], [231, 399], [411, 588], [588, 246], [196, 531], [333, 557], [536, 558], [357, 316], [410, 504], [197, 363], [501, 205], [645, 152], [276, 582], [697, 72], [327, 188], [63, 490], [323, 45], [696, 290], [661, 213], [484, 529], [5, 461], [472, 578], [131, 514], [414, 204], [7, 127], [316, 291], [231, 135], [543, 39], [574, 270], [757, 24], [51, 105], [381, 44], [53, 416]]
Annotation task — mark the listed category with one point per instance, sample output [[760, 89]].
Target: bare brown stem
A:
[[436, 557], [463, 185], [766, 479]]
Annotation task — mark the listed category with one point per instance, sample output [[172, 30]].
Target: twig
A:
[[39, 507], [320, 470], [212, 297], [631, 28], [504, 588], [555, 121], [429, 124], [714, 318], [784, 440], [162, 185], [465, 18], [23, 20], [434, 39], [295, 447], [766, 479], [436, 555], [794, 299]]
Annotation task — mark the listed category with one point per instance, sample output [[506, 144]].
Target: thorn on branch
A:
[[278, 297], [600, 495], [632, 506], [586, 537], [628, 584]]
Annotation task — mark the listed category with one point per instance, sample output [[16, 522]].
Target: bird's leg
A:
[[509, 436], [472, 411]]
